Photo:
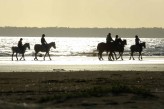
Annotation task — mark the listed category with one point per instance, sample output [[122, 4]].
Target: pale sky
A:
[[82, 13]]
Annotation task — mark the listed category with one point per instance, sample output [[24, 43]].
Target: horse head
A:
[[143, 44], [52, 44], [124, 42], [27, 45]]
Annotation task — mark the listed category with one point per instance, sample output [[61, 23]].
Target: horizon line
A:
[[78, 27]]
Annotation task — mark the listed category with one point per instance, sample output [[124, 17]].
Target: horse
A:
[[119, 48], [101, 47], [17, 50], [137, 48], [41, 48]]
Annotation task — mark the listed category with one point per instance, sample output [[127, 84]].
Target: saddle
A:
[[45, 47], [21, 49], [138, 47]]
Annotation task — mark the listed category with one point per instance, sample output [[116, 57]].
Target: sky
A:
[[82, 13]]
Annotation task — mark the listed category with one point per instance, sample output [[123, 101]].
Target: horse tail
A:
[[12, 49], [130, 47], [35, 47], [98, 47]]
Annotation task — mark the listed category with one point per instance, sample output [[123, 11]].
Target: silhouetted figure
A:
[[20, 45], [117, 42], [17, 49], [116, 38], [39, 48], [136, 48], [137, 40], [43, 41], [109, 38]]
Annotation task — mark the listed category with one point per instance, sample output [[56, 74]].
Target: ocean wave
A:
[[79, 46]]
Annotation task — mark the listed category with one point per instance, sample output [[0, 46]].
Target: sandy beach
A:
[[82, 82], [81, 63]]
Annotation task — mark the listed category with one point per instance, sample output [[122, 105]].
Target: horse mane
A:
[[26, 44]]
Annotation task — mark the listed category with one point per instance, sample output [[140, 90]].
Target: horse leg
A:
[[16, 56], [36, 56], [99, 56], [45, 56], [49, 56], [112, 56], [20, 58], [23, 56], [12, 56], [121, 54], [115, 56], [140, 56], [132, 56], [109, 57]]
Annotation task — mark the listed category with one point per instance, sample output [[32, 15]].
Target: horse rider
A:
[[109, 38], [137, 40], [20, 45], [43, 41], [117, 41]]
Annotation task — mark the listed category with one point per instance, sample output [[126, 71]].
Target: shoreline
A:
[[81, 63]]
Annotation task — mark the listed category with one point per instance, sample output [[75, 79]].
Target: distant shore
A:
[[81, 32]]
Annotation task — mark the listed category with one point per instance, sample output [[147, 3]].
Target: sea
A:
[[78, 46]]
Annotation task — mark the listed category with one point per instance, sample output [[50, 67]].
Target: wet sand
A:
[[81, 63]]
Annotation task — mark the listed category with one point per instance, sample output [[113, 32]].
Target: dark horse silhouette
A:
[[101, 47], [41, 48], [137, 48], [111, 48], [119, 48], [17, 50]]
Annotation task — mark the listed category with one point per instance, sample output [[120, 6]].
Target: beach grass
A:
[[80, 89]]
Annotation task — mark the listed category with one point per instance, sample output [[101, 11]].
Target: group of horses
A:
[[37, 47], [112, 48]]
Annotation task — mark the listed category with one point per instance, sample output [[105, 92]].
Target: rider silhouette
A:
[[117, 41], [20, 45], [137, 40], [109, 38], [43, 41]]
